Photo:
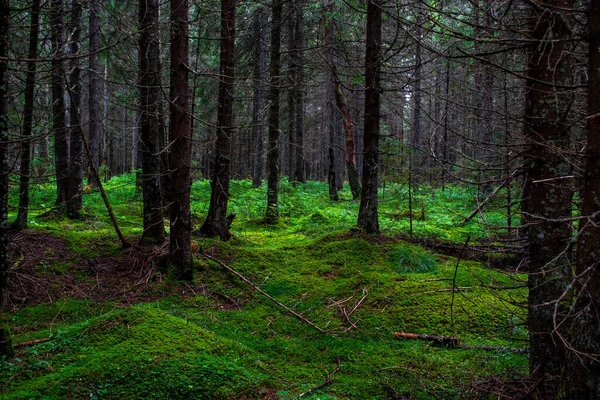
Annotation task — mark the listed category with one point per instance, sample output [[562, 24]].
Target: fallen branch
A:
[[259, 290], [483, 203], [30, 343], [327, 382], [454, 342]]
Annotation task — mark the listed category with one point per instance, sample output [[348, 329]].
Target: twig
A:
[[327, 382], [454, 281], [259, 290]]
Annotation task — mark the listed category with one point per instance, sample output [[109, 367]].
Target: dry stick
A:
[[454, 281], [92, 167], [483, 203], [259, 290], [30, 343], [327, 382]]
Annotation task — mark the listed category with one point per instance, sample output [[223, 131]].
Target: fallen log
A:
[[452, 342]]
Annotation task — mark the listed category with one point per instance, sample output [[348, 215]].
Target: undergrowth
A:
[[219, 339]]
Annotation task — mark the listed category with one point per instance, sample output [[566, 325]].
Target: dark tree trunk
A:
[[546, 196], [25, 169], [299, 163], [582, 374], [94, 87], [416, 155], [368, 218], [258, 106], [181, 143], [6, 348], [349, 136], [149, 100], [61, 138], [74, 202], [217, 223], [329, 46], [287, 152], [272, 213]]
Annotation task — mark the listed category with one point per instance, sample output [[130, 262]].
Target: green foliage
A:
[[221, 339], [411, 259]]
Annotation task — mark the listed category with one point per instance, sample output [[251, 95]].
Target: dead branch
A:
[[454, 342], [30, 343], [327, 382], [259, 290]]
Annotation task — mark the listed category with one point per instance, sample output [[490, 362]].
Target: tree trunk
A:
[[61, 138], [25, 169], [149, 100], [217, 223], [74, 202], [6, 348], [416, 154], [258, 106], [547, 198], [299, 163], [94, 87], [181, 145], [331, 125], [272, 213], [349, 135], [368, 219], [582, 374]]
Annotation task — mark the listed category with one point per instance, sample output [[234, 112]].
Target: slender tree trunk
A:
[[368, 218], [181, 144], [149, 100], [331, 125], [74, 195], [547, 198], [25, 170], [349, 135], [416, 155], [582, 374], [6, 348], [94, 86], [61, 137], [260, 78], [272, 213], [300, 166], [217, 223]]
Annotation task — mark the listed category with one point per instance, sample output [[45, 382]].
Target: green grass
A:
[[202, 345]]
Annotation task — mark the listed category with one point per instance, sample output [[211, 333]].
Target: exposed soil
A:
[[43, 269]]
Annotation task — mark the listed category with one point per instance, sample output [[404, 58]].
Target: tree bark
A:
[[59, 129], [582, 374], [6, 348], [74, 194], [180, 255], [368, 219], [216, 223], [545, 198], [25, 168], [299, 163], [272, 213], [258, 106], [149, 99], [94, 87]]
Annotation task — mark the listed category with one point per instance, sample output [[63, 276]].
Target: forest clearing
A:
[[289, 199], [111, 324]]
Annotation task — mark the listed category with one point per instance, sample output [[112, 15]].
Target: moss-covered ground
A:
[[218, 338]]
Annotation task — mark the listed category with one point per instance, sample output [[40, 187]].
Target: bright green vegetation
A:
[[218, 338]]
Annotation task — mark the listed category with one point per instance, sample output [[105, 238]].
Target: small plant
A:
[[412, 259]]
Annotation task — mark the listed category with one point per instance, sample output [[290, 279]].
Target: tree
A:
[[181, 144], [94, 86], [582, 373], [546, 195], [217, 223], [261, 18], [74, 190], [368, 219], [149, 100], [25, 168], [59, 128], [5, 338], [299, 173], [272, 213]]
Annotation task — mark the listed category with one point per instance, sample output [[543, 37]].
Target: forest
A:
[[286, 199]]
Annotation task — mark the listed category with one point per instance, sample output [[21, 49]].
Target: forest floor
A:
[[91, 320]]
